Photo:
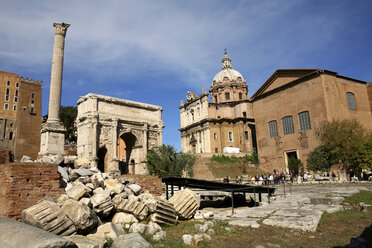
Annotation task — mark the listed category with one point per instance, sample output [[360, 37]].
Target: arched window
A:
[[351, 101]]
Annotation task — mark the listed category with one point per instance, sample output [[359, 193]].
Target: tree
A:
[[67, 115], [364, 158], [163, 161], [340, 142], [294, 164], [318, 160]]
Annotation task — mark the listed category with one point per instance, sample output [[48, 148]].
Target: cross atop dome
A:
[[226, 61]]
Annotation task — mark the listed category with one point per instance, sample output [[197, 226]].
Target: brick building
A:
[[20, 115], [279, 120]]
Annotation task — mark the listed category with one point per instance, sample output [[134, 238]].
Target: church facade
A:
[[279, 120]]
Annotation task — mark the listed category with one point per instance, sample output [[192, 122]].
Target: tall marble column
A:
[[60, 30], [53, 132]]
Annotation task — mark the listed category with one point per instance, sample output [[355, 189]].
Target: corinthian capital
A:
[[60, 28]]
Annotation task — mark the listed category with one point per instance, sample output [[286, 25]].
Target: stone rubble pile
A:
[[98, 207]]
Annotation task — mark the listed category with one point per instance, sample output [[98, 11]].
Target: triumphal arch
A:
[[115, 134]]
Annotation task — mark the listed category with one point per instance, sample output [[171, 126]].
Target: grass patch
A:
[[334, 230], [363, 196]]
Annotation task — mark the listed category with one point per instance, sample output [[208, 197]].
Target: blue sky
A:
[[156, 51]]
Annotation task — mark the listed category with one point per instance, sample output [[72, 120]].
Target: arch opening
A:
[[126, 143]]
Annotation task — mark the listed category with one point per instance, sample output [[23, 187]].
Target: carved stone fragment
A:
[[185, 202], [136, 208], [102, 205], [81, 215], [164, 214], [50, 217]]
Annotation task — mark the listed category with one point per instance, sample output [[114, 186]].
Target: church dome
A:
[[228, 85], [227, 71]]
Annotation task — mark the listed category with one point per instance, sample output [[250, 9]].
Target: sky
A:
[[155, 51]]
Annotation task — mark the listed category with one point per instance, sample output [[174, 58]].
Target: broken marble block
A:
[[118, 198], [138, 209], [185, 202], [130, 240], [113, 186], [87, 241], [110, 230], [84, 218], [135, 188], [164, 213], [50, 217], [77, 192], [123, 218], [102, 205], [15, 234]]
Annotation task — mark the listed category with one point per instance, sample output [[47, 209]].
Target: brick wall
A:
[[150, 183], [23, 184], [6, 157]]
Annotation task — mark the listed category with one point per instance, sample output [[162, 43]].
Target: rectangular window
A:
[[216, 150], [32, 95], [244, 114], [273, 129], [351, 101], [16, 93], [230, 137], [240, 96], [32, 110], [10, 135], [6, 106], [15, 99], [7, 91], [14, 107], [17, 84], [8, 83], [215, 136], [7, 98], [304, 118], [246, 135], [287, 125], [227, 96]]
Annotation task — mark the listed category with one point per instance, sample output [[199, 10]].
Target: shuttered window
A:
[[304, 118], [273, 129], [351, 101], [287, 125]]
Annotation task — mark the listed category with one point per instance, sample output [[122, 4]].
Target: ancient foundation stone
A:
[[50, 217], [185, 202], [15, 234]]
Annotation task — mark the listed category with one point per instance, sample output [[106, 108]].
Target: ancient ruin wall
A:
[[150, 183], [23, 184]]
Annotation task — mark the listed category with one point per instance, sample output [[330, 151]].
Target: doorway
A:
[[101, 154], [290, 154]]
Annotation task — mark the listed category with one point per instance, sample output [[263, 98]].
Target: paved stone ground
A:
[[301, 209]]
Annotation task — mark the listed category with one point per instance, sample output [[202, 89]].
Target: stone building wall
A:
[[335, 89], [23, 184], [20, 115], [29, 117], [323, 96]]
